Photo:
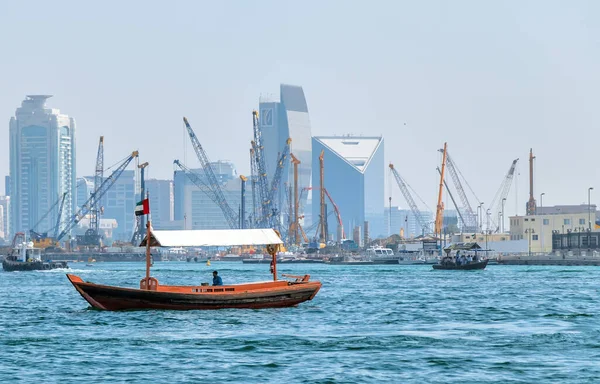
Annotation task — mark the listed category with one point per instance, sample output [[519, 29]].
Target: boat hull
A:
[[257, 295], [466, 267], [12, 266]]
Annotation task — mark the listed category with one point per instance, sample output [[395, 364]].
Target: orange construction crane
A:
[[439, 217], [323, 219]]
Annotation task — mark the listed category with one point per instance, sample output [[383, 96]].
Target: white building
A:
[[5, 204], [42, 164]]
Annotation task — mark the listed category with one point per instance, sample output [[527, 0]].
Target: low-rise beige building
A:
[[538, 229]]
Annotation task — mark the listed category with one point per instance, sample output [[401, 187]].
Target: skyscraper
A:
[[354, 177], [161, 201], [42, 164], [280, 120], [119, 204]]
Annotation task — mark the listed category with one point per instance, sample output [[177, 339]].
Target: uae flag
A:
[[142, 207]]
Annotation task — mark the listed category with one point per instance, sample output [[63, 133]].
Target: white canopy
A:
[[212, 237]]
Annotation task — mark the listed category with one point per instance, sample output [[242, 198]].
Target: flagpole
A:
[[148, 246]]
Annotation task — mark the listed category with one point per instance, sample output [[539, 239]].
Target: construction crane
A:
[[59, 216], [42, 240], [274, 212], [140, 231], [106, 184], [469, 216], [205, 188], [408, 197], [503, 191], [462, 220], [253, 181], [323, 219], [262, 179], [335, 208], [98, 178], [296, 202], [243, 180], [212, 182], [439, 215]]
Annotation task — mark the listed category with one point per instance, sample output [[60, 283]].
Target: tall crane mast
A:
[[212, 181], [469, 216], [531, 204], [294, 235], [273, 209], [439, 216], [97, 195], [230, 216], [408, 197], [98, 178], [243, 180], [462, 220], [253, 181], [59, 216], [262, 179], [503, 191], [323, 218]]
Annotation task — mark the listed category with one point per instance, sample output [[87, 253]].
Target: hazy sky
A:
[[491, 78]]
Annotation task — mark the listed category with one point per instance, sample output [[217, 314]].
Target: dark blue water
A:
[[401, 324]]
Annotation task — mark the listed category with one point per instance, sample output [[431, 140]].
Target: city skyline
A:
[[525, 79]]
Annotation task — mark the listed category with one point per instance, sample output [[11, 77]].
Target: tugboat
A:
[[24, 256]]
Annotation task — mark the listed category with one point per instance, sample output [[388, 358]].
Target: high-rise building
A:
[[196, 210], [7, 185], [85, 187], [42, 164], [119, 203], [404, 220], [354, 177], [161, 202], [5, 204], [280, 120]]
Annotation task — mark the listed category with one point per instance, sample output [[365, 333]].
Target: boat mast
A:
[[148, 224]]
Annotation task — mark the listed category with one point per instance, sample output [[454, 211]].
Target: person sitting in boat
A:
[[469, 259], [217, 279]]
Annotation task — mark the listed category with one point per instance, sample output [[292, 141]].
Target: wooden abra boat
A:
[[469, 266], [459, 262], [152, 295]]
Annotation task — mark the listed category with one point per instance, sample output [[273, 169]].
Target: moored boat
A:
[[152, 295], [24, 256]]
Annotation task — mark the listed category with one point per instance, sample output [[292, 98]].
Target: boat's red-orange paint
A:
[[270, 294]]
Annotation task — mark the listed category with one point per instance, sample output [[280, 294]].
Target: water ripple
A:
[[369, 324]]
